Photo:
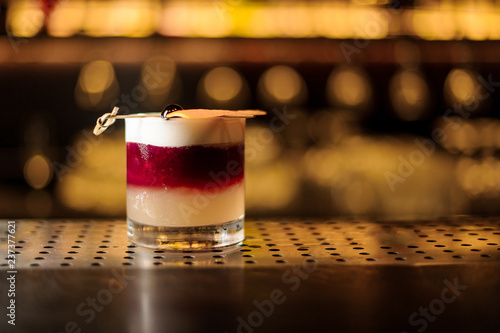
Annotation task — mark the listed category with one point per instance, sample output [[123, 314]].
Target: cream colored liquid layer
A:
[[184, 132], [184, 206]]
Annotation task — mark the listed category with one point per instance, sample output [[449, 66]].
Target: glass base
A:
[[186, 238]]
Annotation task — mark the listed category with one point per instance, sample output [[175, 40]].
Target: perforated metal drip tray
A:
[[66, 244]]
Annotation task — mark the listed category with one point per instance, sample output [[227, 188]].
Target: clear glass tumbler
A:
[[185, 182]]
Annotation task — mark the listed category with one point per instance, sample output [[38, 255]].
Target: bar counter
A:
[[289, 275]]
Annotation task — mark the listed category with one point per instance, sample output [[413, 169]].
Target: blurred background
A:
[[377, 108]]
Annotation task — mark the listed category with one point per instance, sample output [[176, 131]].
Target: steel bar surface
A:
[[289, 275]]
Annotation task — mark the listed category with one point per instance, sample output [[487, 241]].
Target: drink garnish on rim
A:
[[174, 111]]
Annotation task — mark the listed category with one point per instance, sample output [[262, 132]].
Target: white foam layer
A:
[[184, 207], [178, 132]]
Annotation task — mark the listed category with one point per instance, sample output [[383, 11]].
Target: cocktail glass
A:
[[185, 182]]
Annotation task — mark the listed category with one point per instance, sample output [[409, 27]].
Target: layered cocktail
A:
[[185, 182]]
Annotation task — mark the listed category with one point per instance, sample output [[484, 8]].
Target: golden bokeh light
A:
[[470, 136], [196, 19], [332, 20], [324, 167], [368, 22], [25, 18], [261, 145], [364, 2], [493, 17], [97, 85], [174, 18], [434, 22], [96, 182], [96, 76], [207, 15], [472, 19], [271, 186], [282, 84], [325, 147], [467, 139], [131, 18], [222, 84], [355, 170], [479, 176], [38, 171], [463, 139], [366, 19], [67, 18], [271, 180], [409, 94], [299, 14], [461, 86], [260, 22], [348, 87]]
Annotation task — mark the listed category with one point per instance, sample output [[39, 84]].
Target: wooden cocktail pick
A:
[[174, 111], [209, 113]]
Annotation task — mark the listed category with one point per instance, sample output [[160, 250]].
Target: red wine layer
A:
[[197, 166]]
